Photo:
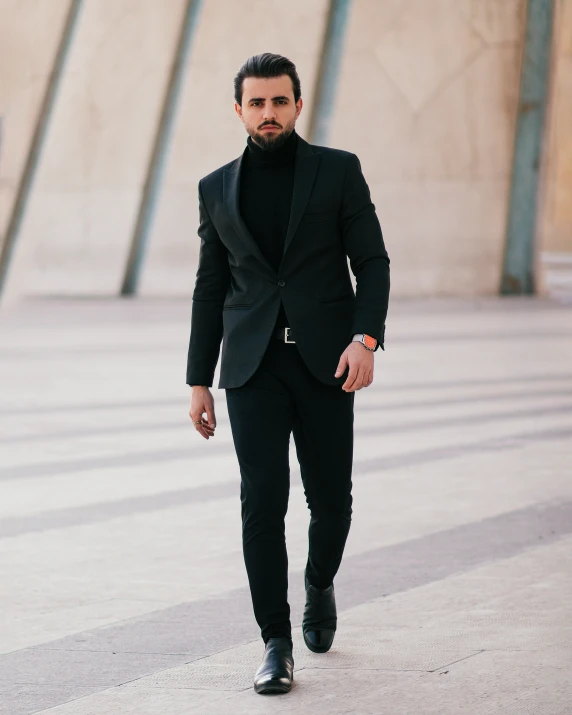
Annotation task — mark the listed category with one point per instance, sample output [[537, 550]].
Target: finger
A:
[[198, 416], [360, 379], [204, 430], [351, 380], [341, 365], [211, 419], [201, 426]]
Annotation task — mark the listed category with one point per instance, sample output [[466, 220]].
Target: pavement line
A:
[[108, 656], [463, 420], [376, 387], [11, 527], [180, 424], [50, 469]]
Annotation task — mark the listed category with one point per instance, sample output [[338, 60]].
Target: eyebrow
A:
[[261, 99]]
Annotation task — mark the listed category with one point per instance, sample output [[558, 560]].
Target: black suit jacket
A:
[[237, 293]]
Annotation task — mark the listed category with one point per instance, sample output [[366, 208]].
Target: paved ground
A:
[[122, 587]]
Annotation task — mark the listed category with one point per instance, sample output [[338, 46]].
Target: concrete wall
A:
[[80, 219], [554, 265], [557, 215], [208, 133], [30, 31], [426, 97], [427, 100]]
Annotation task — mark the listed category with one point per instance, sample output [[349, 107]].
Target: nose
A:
[[269, 112]]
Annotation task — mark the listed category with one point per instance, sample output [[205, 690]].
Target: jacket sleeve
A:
[[364, 245], [211, 284]]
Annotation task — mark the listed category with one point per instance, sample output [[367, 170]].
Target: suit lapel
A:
[[305, 169], [231, 199]]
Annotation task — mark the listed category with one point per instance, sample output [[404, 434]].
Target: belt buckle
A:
[[286, 333]]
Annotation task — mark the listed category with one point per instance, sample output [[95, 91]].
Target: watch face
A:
[[369, 342]]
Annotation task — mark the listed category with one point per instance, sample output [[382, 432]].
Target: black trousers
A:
[[283, 398]]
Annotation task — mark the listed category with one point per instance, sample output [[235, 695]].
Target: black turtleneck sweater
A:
[[266, 185]]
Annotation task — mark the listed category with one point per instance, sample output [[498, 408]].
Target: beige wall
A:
[[427, 100], [554, 264], [30, 31], [79, 223], [208, 133], [557, 214]]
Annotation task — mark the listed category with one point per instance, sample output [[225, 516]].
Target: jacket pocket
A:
[[236, 305]]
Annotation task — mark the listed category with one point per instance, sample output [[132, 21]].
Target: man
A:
[[276, 227]]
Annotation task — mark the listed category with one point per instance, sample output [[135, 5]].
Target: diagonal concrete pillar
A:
[[427, 99], [75, 235], [518, 265], [32, 55], [207, 132]]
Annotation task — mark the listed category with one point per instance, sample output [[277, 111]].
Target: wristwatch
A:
[[367, 341]]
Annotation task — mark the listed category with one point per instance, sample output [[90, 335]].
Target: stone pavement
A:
[[122, 586]]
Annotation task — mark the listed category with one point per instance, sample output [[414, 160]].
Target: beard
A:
[[274, 140]]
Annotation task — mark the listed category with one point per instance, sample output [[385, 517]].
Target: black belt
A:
[[284, 334]]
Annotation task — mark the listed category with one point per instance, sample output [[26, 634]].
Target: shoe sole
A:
[[309, 646], [277, 689]]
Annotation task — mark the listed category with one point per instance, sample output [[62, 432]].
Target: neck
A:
[[283, 154]]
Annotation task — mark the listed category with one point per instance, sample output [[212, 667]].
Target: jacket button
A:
[[281, 284]]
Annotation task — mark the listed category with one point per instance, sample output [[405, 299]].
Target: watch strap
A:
[[367, 341]]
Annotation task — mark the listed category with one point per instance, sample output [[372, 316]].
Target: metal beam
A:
[[518, 267], [37, 143], [155, 170]]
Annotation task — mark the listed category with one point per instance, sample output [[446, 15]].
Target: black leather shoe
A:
[[320, 618], [276, 671]]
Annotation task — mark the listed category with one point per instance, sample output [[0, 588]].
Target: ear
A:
[[238, 110], [299, 105]]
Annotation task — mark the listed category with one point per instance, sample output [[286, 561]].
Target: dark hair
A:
[[265, 66]]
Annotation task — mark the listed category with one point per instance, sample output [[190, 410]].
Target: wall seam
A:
[[519, 259], [328, 73], [37, 143], [160, 149]]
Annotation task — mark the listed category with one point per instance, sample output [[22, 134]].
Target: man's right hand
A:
[[202, 402]]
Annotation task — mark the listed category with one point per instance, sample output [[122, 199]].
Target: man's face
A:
[[268, 110]]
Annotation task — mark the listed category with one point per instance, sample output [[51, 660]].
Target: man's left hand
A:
[[360, 362]]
